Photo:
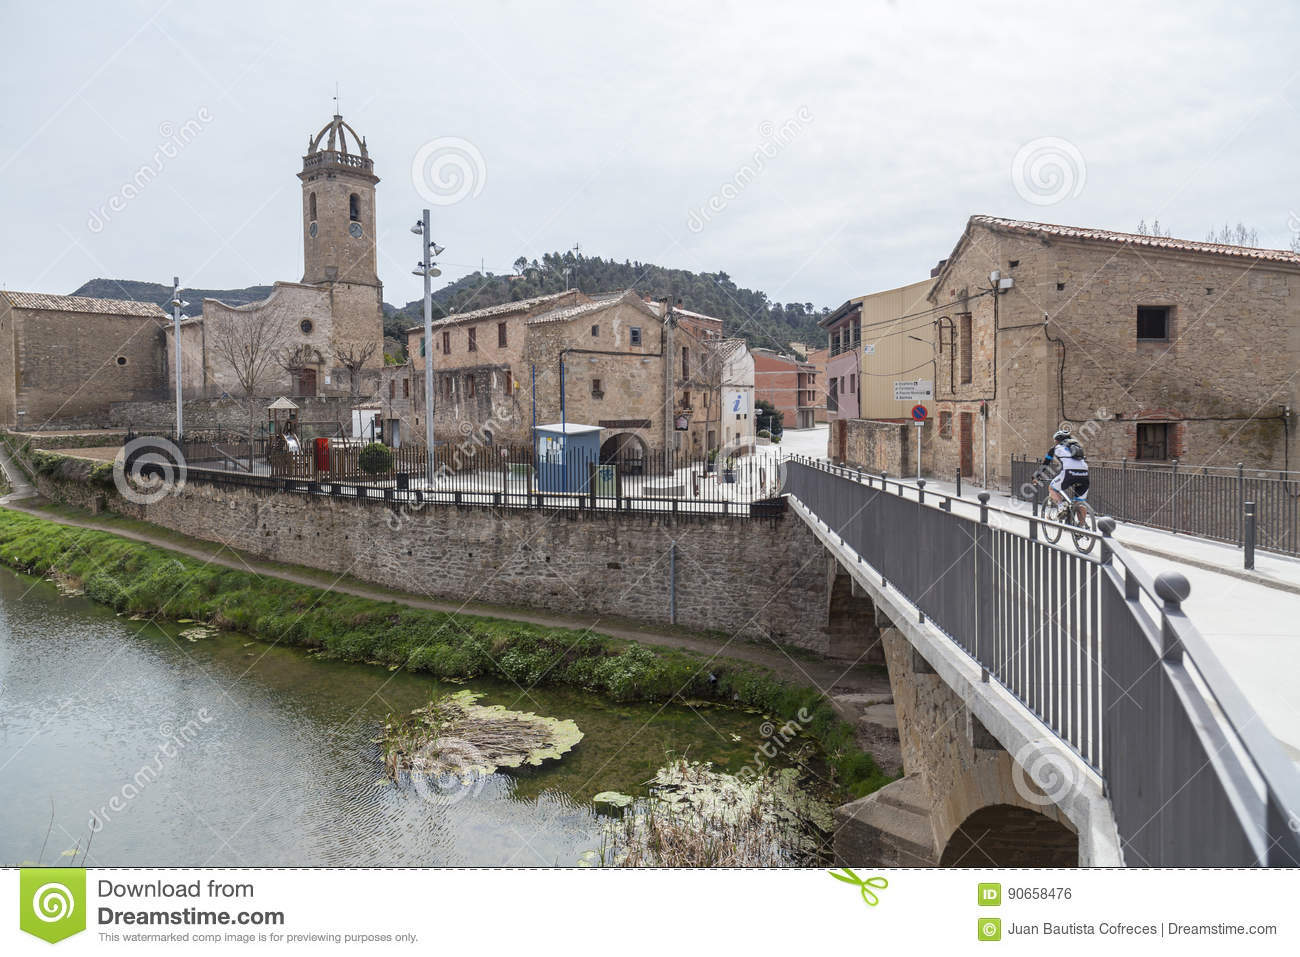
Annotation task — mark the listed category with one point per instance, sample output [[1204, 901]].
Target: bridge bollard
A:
[[984, 507], [1248, 535], [920, 491], [959, 483], [1106, 525], [1172, 588]]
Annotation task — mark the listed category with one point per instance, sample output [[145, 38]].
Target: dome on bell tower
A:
[[337, 143]]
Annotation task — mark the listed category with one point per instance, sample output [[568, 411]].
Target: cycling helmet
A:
[[1061, 435]]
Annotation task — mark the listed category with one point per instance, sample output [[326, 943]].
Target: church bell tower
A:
[[338, 207]]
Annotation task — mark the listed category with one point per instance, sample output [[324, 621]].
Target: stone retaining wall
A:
[[742, 577]]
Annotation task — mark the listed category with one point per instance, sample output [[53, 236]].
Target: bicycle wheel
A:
[[1082, 541], [1051, 531]]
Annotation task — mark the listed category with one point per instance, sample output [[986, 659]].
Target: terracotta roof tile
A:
[[1135, 239], [106, 307]]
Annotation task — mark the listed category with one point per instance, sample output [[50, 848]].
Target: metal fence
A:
[[1205, 501], [1097, 650], [502, 478]]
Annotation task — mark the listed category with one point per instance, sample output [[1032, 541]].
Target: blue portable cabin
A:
[[565, 453]]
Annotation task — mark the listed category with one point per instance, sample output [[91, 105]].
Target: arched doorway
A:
[[625, 450], [1003, 835]]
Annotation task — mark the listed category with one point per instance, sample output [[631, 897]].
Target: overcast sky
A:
[[633, 129]]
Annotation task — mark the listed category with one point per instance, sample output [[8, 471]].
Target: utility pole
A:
[[670, 390], [427, 269], [176, 333]]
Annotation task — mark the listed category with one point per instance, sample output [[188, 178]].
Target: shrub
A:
[[375, 459]]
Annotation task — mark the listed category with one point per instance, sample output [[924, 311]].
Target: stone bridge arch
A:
[[964, 800]]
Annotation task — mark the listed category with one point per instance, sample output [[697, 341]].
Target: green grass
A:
[[135, 578]]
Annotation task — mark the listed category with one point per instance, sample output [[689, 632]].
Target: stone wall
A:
[[224, 413], [874, 446], [740, 577]]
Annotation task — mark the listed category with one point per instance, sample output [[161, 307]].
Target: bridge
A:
[[1054, 707]]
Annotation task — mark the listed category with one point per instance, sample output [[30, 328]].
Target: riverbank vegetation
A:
[[138, 579], [696, 816]]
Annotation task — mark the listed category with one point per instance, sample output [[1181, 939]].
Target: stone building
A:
[[64, 359], [1153, 348], [698, 366], [497, 371], [323, 330]]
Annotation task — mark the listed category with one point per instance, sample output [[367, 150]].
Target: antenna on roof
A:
[[336, 99]]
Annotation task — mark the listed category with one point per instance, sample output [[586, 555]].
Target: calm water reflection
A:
[[231, 752]]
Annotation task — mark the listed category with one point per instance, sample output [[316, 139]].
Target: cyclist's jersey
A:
[[1069, 463]]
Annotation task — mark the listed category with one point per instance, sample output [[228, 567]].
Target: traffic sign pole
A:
[[919, 415]]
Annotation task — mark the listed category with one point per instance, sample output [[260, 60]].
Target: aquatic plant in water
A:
[[454, 735], [698, 817]]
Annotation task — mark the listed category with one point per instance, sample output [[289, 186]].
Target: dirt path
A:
[[831, 677]]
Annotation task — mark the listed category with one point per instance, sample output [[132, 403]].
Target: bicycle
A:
[[1072, 514]]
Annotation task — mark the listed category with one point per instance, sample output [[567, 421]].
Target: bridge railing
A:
[[1096, 649]]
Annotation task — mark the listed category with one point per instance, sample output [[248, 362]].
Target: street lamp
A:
[[427, 268], [177, 305]]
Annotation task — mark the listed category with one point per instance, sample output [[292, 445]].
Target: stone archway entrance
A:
[[1004, 835], [627, 450]]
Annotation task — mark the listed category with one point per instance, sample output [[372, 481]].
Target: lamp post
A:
[[177, 304], [427, 269]]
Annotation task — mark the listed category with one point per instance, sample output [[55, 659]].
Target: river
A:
[[230, 752]]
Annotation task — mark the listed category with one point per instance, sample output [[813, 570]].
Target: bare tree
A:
[[250, 345], [1239, 235], [1155, 229], [353, 359]]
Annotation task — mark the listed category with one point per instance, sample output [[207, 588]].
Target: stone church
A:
[[306, 338]]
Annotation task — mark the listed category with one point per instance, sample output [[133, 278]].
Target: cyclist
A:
[[1073, 476]]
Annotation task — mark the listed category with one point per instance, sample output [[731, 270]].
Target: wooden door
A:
[[306, 382], [966, 435]]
